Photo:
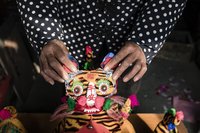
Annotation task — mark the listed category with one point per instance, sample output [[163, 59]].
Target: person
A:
[[134, 30]]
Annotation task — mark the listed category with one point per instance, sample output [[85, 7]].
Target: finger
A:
[[136, 68], [53, 62], [124, 65], [40, 63], [141, 72], [116, 59], [62, 57], [49, 71], [47, 78], [61, 45]]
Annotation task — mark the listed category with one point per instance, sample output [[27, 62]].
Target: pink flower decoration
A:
[[180, 115], [99, 101], [125, 115], [82, 100], [63, 99], [5, 114], [134, 101]]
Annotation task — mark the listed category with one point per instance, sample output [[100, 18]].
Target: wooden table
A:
[[142, 122], [146, 123]]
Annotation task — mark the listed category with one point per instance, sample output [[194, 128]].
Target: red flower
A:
[[5, 114]]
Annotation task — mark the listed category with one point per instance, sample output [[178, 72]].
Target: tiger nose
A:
[[91, 94]]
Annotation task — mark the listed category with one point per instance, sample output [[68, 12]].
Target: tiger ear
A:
[[106, 59], [73, 60]]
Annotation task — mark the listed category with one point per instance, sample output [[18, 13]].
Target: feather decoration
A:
[[61, 116], [118, 99], [115, 115], [60, 111]]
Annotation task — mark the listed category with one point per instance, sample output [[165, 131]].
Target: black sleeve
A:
[[41, 21], [154, 23]]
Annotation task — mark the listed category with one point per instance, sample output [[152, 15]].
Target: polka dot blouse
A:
[[78, 23]]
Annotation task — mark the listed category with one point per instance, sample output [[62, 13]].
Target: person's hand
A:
[[130, 53], [52, 55]]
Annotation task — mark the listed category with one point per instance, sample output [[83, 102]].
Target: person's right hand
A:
[[52, 55]]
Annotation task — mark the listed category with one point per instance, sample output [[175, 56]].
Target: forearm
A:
[[155, 22]]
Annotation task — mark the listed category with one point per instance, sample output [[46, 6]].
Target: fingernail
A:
[[62, 81], [75, 70], [125, 79], [115, 78], [105, 68], [51, 82], [136, 79], [66, 78]]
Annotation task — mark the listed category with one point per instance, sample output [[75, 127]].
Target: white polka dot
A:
[[33, 12], [160, 2], [157, 16], [165, 14], [40, 15], [152, 24], [170, 6], [48, 28]]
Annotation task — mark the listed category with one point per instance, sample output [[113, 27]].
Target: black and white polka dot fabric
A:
[[93, 22]]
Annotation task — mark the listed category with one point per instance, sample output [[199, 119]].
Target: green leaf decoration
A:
[[107, 104]]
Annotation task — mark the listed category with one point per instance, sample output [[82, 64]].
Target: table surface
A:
[[146, 123], [142, 122]]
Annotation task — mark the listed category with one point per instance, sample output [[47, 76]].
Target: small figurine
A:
[[170, 121], [9, 122], [90, 104]]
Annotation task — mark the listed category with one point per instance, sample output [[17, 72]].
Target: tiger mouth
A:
[[89, 110]]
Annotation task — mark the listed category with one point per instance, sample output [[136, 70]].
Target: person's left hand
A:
[[130, 53]]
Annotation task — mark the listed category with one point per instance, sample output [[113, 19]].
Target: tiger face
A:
[[89, 89]]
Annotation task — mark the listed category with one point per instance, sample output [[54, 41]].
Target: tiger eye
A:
[[103, 87], [77, 90]]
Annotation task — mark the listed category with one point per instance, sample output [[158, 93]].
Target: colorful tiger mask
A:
[[91, 103], [89, 89]]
